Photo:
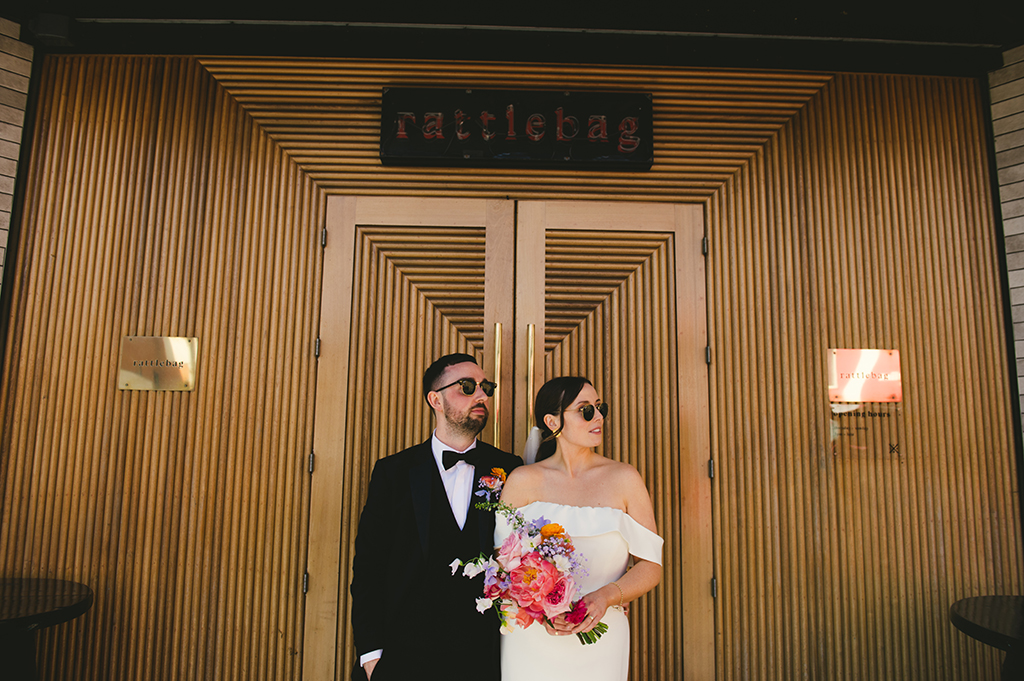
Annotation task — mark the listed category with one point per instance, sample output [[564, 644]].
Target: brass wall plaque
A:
[[158, 363]]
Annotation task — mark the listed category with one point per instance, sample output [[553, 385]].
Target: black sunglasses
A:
[[468, 386], [587, 411]]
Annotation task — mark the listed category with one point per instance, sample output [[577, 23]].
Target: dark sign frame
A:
[[608, 131]]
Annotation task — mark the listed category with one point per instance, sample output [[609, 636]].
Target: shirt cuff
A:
[[370, 656]]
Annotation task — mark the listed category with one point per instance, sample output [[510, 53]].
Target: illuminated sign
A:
[[864, 376]]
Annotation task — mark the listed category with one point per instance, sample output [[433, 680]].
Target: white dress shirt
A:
[[458, 480]]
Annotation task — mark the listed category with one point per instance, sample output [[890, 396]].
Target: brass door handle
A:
[[497, 378], [531, 333]]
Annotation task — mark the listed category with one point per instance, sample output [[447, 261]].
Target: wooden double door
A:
[[533, 289]]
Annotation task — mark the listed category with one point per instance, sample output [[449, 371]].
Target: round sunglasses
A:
[[468, 386], [587, 411]]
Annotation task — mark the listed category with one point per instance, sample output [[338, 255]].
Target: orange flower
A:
[[498, 473], [552, 530]]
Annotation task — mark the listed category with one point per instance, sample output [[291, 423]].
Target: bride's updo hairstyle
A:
[[554, 397]]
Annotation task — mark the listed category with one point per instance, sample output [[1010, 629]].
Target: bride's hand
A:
[[557, 627], [597, 606]]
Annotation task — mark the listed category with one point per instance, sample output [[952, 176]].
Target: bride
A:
[[604, 506]]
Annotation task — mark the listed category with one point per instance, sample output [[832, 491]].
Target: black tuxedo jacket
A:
[[392, 544]]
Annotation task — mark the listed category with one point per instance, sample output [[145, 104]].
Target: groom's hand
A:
[[368, 668]]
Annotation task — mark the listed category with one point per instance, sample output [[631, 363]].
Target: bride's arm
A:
[[644, 575], [641, 578]]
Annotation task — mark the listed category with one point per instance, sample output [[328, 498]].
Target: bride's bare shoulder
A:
[[521, 485], [619, 471], [628, 483], [524, 475], [624, 478]]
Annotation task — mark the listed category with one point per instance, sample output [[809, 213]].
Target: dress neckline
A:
[[591, 521], [555, 503]]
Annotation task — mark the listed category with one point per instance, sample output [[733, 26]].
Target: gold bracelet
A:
[[620, 592]]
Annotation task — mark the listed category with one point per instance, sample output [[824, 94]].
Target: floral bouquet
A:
[[533, 576]]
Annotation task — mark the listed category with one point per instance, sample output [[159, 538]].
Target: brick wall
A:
[[15, 68], [1007, 91]]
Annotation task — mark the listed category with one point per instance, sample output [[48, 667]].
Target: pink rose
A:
[[510, 552], [536, 612], [558, 600]]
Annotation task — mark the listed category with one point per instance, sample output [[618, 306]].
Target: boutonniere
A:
[[490, 485]]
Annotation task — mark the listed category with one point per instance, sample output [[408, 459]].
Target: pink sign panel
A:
[[864, 376]]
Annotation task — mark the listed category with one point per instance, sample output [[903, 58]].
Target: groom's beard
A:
[[465, 422]]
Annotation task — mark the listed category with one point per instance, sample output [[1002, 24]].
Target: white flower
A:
[[455, 565], [472, 569], [562, 563], [482, 604]]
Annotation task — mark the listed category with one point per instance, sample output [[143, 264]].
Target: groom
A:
[[412, 618]]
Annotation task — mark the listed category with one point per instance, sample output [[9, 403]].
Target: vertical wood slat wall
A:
[[157, 207], [866, 223], [858, 216]]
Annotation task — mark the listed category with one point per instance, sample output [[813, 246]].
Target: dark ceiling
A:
[[869, 36]]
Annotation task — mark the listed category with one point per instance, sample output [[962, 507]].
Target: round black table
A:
[[997, 621], [30, 604]]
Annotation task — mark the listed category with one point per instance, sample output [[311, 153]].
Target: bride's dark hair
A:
[[554, 397]]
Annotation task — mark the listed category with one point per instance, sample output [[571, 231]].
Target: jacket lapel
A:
[[420, 477]]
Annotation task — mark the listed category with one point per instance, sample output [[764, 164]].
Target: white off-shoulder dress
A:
[[606, 537]]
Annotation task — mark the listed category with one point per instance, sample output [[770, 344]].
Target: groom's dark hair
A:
[[435, 370]]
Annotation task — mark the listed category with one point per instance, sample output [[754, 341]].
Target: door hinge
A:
[[711, 468], [714, 587], [323, 238], [704, 246], [312, 459], [305, 582], [316, 349], [707, 354]]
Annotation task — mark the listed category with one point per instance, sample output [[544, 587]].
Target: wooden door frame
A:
[[686, 222], [344, 214]]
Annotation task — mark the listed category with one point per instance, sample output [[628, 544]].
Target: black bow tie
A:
[[450, 458]]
